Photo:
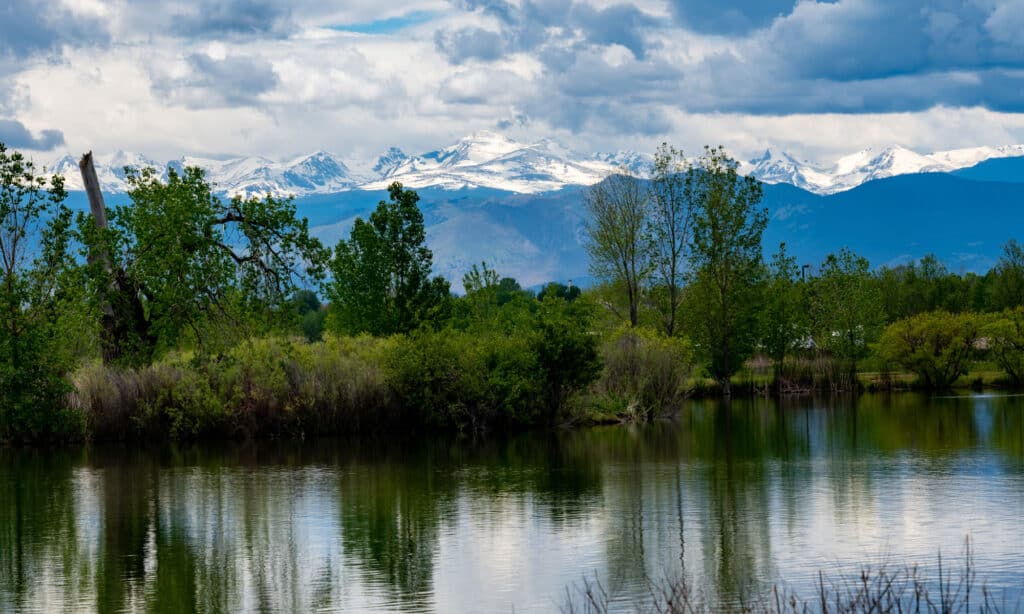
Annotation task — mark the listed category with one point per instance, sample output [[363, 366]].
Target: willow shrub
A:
[[466, 379], [935, 346], [645, 374], [1004, 338]]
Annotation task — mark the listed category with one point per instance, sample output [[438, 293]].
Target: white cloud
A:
[[259, 77]]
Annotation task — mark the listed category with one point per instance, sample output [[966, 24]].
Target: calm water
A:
[[737, 496]]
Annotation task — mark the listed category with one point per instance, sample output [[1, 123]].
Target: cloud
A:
[[470, 44], [232, 17], [208, 82], [544, 27], [14, 134], [34, 27]]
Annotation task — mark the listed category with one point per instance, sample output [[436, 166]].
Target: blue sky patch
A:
[[389, 25]]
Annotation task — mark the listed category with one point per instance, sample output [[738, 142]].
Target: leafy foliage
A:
[[1008, 277], [936, 345], [784, 322], [182, 258], [382, 282], [725, 263], [846, 307], [37, 283], [674, 184], [615, 229], [1004, 334]]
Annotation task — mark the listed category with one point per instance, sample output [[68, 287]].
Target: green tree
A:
[[725, 263], [673, 183], [846, 308], [310, 314], [381, 275], [566, 351], [617, 211], [1008, 278], [936, 346], [784, 325], [182, 259], [1005, 335], [562, 291], [36, 287], [482, 285]]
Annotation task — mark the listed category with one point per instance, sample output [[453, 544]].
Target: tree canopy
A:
[[381, 275]]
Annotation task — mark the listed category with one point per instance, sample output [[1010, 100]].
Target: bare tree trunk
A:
[[98, 209]]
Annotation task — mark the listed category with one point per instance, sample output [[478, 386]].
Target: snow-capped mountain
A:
[[490, 160], [316, 173], [866, 165]]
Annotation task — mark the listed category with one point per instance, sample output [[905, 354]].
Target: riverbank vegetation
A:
[[190, 315]]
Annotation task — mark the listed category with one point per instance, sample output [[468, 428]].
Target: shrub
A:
[[260, 387], [465, 379], [935, 346], [644, 372], [1004, 338]]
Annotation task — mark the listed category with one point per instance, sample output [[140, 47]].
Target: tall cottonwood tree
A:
[[846, 308], [181, 257], [784, 323], [381, 275], [615, 235], [673, 184], [725, 263]]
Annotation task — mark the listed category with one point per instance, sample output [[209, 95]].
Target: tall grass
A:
[[941, 590], [261, 387]]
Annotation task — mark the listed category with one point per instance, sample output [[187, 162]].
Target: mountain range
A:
[[519, 206], [490, 160]]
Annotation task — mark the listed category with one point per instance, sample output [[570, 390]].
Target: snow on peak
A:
[[388, 161], [868, 164], [491, 160]]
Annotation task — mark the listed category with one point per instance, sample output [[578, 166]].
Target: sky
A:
[[278, 78]]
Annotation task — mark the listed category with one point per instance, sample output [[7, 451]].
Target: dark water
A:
[[737, 496]]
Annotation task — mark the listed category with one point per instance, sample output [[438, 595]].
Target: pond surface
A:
[[738, 497]]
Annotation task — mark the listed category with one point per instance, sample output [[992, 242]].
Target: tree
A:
[[1005, 335], [1008, 277], [181, 259], [36, 288], [310, 314], [846, 308], [617, 216], [784, 316], [382, 282], [673, 184], [562, 291], [725, 263], [934, 345]]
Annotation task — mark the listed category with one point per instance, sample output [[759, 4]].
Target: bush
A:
[[1004, 338], [260, 387], [645, 374], [935, 346], [466, 380]]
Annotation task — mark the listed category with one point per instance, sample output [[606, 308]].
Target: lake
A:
[[736, 497]]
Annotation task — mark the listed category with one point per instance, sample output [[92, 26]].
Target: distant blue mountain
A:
[[963, 218], [997, 169], [964, 222]]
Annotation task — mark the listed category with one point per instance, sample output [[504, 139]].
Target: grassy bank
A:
[[451, 380]]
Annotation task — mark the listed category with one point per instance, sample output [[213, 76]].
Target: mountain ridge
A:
[[490, 160]]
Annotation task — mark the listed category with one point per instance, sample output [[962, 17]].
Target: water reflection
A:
[[734, 495]]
